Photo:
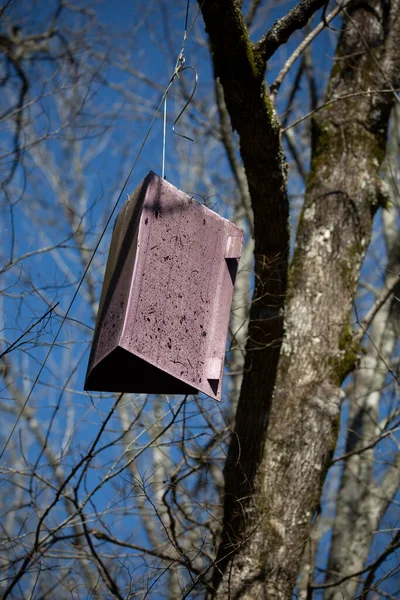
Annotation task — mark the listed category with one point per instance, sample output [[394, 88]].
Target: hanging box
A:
[[164, 309]]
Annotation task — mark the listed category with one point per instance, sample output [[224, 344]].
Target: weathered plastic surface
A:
[[164, 309]]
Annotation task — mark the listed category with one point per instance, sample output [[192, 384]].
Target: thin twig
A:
[[301, 47], [13, 345], [100, 535], [390, 548], [363, 449], [371, 314], [344, 97]]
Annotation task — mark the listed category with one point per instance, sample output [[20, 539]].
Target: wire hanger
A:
[[196, 80], [179, 68]]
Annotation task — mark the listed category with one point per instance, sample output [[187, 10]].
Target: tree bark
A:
[[362, 498], [288, 411]]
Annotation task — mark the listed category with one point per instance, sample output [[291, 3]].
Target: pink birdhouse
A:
[[164, 310]]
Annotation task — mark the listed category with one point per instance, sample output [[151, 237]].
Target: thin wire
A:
[[187, 32], [196, 80], [164, 139], [186, 20], [178, 66]]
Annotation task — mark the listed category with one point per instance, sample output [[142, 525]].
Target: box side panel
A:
[[179, 305], [225, 279], [118, 276]]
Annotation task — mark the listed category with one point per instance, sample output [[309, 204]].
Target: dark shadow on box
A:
[[232, 264], [121, 371], [214, 383]]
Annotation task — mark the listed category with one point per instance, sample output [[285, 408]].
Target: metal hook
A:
[[180, 63], [196, 79]]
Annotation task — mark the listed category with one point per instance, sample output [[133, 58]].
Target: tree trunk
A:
[[362, 498], [288, 411]]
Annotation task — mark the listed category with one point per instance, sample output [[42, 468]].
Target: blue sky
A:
[[149, 39]]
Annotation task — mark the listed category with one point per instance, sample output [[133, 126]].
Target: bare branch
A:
[[281, 31], [392, 547], [338, 99], [274, 88], [384, 295]]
